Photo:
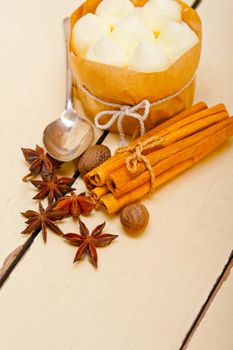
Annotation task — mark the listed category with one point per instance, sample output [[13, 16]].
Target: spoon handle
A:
[[69, 76]]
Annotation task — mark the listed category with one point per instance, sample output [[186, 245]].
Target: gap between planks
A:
[[214, 291]]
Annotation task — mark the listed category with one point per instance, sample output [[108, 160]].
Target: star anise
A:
[[87, 242], [39, 162], [53, 187], [56, 163], [75, 205], [43, 219]]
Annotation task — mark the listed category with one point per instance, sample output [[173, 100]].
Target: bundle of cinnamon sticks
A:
[[173, 147]]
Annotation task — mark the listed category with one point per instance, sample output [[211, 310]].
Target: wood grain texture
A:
[[147, 290], [215, 330]]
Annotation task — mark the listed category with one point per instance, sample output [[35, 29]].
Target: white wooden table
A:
[[150, 292]]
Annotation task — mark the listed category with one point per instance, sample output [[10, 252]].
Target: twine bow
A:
[[118, 111], [137, 156], [119, 114]]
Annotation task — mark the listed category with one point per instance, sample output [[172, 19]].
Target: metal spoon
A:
[[69, 136]]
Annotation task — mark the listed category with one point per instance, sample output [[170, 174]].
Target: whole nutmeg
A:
[[92, 158], [134, 218]]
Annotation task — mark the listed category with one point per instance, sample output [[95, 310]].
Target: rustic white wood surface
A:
[[147, 290], [215, 330]]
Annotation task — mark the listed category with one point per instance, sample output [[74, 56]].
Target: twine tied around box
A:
[[120, 111]]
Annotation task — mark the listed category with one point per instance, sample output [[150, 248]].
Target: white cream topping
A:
[[157, 13], [113, 11], [149, 57], [130, 31], [87, 31], [107, 51], [176, 39]]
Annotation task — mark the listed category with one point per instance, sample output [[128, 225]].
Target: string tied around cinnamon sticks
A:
[[136, 155], [119, 111]]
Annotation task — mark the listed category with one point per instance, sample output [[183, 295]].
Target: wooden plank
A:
[[142, 281], [205, 307], [147, 291], [215, 330], [32, 93]]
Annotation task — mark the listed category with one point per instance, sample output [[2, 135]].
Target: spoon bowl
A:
[[68, 137]]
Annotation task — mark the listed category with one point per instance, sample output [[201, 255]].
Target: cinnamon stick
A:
[[201, 106], [113, 204], [177, 157], [99, 192], [98, 176], [193, 127], [123, 176]]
